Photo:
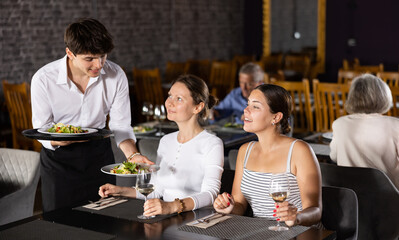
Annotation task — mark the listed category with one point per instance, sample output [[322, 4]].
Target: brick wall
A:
[[147, 33]]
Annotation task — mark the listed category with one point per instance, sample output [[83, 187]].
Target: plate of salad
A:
[[233, 127], [128, 169], [138, 130], [66, 130]]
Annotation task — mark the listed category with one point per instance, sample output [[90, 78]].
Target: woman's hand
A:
[[109, 189], [224, 203], [287, 212], [156, 206]]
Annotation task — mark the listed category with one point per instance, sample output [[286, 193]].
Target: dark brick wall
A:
[[147, 33]]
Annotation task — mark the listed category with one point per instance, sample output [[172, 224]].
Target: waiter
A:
[[81, 89]]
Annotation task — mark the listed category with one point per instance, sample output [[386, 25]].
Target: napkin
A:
[[104, 203], [212, 220]]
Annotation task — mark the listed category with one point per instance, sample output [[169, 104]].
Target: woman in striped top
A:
[[266, 115]]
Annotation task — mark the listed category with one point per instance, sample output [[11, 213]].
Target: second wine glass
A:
[[145, 187], [279, 190], [147, 110], [160, 115]]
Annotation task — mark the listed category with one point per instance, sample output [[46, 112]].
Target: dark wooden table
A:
[[124, 229]]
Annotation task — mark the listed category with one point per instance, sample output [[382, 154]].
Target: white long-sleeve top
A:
[[192, 169], [56, 99], [367, 140]]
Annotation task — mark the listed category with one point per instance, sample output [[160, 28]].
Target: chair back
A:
[[372, 69], [147, 85], [17, 98], [391, 78], [272, 63], [173, 70], [298, 63], [240, 60], [19, 176], [394, 111], [378, 198], [301, 104], [346, 76], [199, 68], [340, 212], [329, 101], [222, 79]]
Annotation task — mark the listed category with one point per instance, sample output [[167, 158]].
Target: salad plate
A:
[[141, 130], [107, 169], [89, 131]]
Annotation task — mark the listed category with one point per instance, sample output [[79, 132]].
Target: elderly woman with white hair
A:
[[366, 137]]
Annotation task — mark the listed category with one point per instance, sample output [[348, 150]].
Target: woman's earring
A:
[[273, 123]]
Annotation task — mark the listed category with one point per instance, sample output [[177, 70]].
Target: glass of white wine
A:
[[147, 110], [145, 187], [279, 191], [160, 115]]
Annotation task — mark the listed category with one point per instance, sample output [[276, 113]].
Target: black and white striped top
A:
[[255, 188]]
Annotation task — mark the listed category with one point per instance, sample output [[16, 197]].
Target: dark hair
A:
[[88, 35], [199, 92], [279, 100]]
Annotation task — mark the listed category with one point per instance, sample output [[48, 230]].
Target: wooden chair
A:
[[173, 70], [17, 97], [391, 78], [373, 69], [377, 196], [395, 105], [340, 211], [222, 79], [300, 64], [272, 63], [345, 76], [240, 60], [301, 104], [147, 85], [329, 101], [349, 65], [199, 68]]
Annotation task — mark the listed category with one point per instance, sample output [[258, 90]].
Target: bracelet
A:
[[133, 154], [181, 205]]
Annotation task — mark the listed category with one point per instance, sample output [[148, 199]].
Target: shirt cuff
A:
[[47, 144]]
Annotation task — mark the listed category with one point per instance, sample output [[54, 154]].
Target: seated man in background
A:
[[251, 75]]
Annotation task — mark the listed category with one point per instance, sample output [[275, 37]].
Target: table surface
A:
[[232, 138], [125, 229]]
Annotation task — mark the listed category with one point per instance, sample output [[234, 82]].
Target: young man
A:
[[251, 75], [81, 89]]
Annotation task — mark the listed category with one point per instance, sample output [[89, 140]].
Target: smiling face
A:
[[87, 64], [257, 115], [180, 105], [247, 84]]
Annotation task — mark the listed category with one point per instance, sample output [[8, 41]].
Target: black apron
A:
[[71, 175]]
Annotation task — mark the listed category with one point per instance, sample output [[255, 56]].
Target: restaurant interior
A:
[[312, 48]]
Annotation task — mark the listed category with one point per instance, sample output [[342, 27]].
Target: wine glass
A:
[[144, 187], [160, 115], [147, 110], [279, 191]]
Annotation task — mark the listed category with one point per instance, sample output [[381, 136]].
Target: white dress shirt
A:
[[367, 140], [192, 169], [56, 99]]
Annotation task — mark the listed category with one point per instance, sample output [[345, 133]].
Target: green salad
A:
[[233, 125], [129, 168], [62, 128]]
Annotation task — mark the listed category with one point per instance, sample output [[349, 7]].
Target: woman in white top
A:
[[190, 160], [267, 113], [365, 137]]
